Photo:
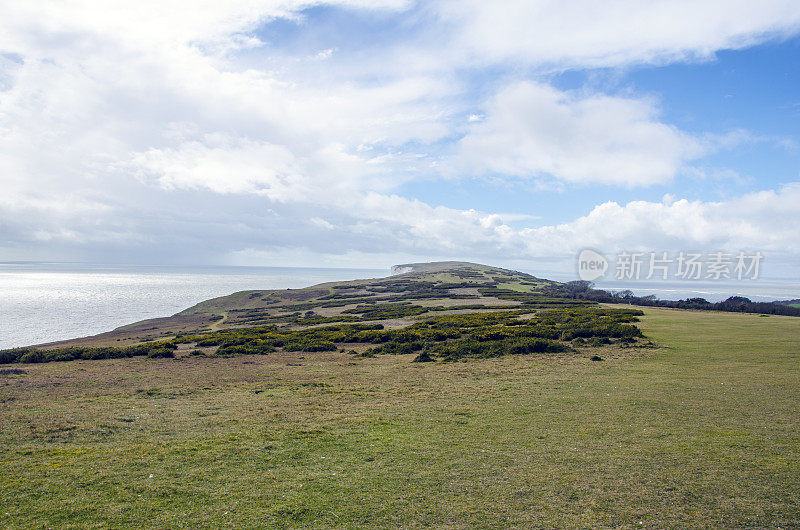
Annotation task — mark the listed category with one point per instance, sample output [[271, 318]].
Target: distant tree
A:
[[697, 301], [579, 286]]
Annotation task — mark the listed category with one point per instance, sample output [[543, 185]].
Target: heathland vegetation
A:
[[303, 408], [464, 311], [445, 312]]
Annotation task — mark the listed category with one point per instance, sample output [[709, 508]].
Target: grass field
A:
[[704, 431]]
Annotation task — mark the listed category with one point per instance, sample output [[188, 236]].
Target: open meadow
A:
[[703, 431]]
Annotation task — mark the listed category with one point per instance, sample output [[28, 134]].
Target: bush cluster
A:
[[446, 337], [452, 351], [72, 353]]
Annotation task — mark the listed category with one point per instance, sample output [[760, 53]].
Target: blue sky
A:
[[354, 133], [755, 89]]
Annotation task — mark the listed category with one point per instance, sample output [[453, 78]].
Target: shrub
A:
[[13, 355], [161, 353], [33, 356], [537, 346], [92, 354], [65, 354]]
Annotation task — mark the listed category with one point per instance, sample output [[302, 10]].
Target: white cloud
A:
[[222, 168], [533, 130], [159, 129], [322, 223], [150, 24], [97, 93], [762, 220], [611, 32]]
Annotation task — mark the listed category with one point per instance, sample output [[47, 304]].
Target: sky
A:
[[365, 133]]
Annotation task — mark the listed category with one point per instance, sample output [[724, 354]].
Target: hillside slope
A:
[[439, 311], [426, 283]]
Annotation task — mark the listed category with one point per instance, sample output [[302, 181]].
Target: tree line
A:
[[583, 290]]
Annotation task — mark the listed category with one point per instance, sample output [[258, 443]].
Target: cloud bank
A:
[[153, 132]]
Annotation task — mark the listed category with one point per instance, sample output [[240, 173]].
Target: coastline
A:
[[50, 302]]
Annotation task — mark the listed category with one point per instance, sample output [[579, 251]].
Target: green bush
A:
[[13, 355], [34, 356], [161, 353]]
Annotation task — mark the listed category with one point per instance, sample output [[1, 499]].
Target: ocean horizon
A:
[[46, 302]]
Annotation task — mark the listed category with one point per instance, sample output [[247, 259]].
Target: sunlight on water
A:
[[47, 302]]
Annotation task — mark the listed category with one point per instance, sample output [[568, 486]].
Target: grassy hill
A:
[[441, 311], [699, 432], [420, 282], [304, 408]]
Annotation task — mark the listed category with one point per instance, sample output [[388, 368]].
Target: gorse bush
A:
[[452, 351], [72, 353], [161, 353]]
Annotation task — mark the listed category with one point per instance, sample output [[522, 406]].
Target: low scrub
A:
[[444, 337]]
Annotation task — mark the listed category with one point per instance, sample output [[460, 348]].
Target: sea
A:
[[45, 302], [761, 290]]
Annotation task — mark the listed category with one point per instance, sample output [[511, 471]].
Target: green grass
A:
[[702, 432]]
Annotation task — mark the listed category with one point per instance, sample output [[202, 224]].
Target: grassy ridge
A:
[[702, 432], [395, 301]]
